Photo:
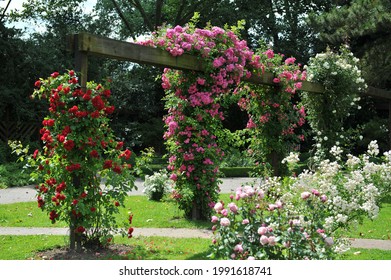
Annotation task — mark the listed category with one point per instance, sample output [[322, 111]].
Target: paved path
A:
[[23, 194]]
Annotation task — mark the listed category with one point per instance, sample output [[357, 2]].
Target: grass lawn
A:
[[379, 228], [166, 214], [146, 214], [145, 248], [156, 214]]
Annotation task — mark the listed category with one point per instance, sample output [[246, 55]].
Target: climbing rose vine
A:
[[329, 112], [194, 102], [80, 152], [275, 118]]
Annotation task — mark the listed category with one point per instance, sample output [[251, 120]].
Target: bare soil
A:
[[114, 251]]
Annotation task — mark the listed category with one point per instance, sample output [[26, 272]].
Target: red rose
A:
[[81, 114], [66, 130], [108, 164], [86, 97], [55, 74], [35, 154], [73, 167], [40, 201], [126, 154], [73, 110], [69, 145], [93, 209], [50, 122], [130, 231], [95, 114], [67, 90], [75, 202], [116, 203], [37, 83], [94, 154], [80, 229], [61, 138], [83, 195], [53, 215], [117, 169], [61, 187], [120, 145], [109, 110], [73, 80], [98, 103], [106, 93], [71, 73]]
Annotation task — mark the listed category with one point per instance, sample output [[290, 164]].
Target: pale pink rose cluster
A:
[[266, 236], [306, 195]]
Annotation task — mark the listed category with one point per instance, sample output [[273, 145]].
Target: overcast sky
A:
[[17, 5]]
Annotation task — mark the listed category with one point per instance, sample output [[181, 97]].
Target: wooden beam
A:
[[378, 93], [87, 44], [100, 46]]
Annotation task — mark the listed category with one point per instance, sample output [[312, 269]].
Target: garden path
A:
[[28, 193]]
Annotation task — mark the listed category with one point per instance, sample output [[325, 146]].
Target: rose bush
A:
[[275, 118], [303, 217], [80, 152], [157, 185], [328, 111], [195, 103]]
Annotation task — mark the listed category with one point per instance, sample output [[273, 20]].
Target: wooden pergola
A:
[[84, 45]]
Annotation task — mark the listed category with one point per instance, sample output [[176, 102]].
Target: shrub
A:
[[80, 152], [14, 175], [157, 185], [302, 217]]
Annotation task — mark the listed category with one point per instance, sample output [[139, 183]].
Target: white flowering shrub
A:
[[157, 185], [303, 217], [328, 111]]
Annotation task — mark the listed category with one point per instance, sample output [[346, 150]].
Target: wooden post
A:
[[74, 237], [81, 58], [389, 124]]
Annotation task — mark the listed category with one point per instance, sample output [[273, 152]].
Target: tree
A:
[[366, 26]]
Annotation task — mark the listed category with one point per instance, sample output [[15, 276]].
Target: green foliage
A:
[[14, 175], [365, 25], [157, 185], [302, 217], [79, 154], [328, 112]]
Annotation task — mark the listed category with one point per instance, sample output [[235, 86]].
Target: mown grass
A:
[[146, 214], [140, 248], [166, 214], [144, 248], [379, 228], [156, 214]]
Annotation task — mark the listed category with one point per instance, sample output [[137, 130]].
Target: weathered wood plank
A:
[[378, 93], [100, 46]]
